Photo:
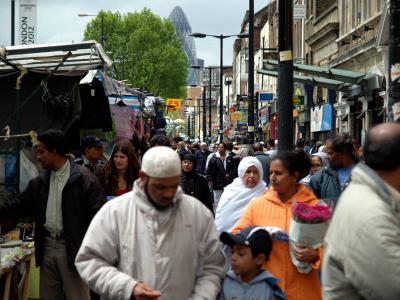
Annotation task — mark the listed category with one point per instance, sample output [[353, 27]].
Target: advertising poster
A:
[[27, 22]]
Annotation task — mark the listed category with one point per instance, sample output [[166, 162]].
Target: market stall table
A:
[[16, 258]]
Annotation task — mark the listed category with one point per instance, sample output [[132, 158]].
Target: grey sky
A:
[[58, 21]]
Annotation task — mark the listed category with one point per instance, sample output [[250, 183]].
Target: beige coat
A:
[[362, 251], [176, 252]]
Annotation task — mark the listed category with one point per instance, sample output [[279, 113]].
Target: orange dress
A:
[[268, 210]]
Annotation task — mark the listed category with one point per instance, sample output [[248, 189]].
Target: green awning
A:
[[313, 80], [346, 76]]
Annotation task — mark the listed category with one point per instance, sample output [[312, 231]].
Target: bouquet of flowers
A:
[[307, 229]]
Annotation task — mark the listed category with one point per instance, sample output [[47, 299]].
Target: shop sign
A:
[[322, 118], [171, 109], [236, 116], [176, 103], [265, 97], [242, 127], [298, 100], [299, 11]]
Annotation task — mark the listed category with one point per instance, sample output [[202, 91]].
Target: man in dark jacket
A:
[[62, 200], [328, 183], [219, 171], [92, 153], [201, 158], [194, 184], [264, 159]]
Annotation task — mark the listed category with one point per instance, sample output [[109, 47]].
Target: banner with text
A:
[[27, 22]]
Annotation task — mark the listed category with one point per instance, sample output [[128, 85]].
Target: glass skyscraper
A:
[[182, 26]]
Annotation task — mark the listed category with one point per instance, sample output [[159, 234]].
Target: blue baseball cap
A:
[[257, 238], [91, 141]]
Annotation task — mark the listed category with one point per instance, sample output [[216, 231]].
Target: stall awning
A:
[[345, 76], [65, 58], [313, 80]]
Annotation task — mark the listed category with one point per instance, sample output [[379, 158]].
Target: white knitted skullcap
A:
[[161, 162]]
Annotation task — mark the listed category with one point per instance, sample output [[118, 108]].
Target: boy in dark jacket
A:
[[250, 248]]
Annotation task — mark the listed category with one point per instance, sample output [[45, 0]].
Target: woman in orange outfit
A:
[[273, 209]]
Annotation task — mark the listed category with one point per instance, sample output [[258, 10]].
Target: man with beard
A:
[[153, 242], [201, 158], [62, 201]]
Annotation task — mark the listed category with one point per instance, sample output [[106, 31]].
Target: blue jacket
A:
[[263, 287]]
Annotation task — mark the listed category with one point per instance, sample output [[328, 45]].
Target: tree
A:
[[146, 51]]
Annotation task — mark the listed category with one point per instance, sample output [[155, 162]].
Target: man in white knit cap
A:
[[154, 242]]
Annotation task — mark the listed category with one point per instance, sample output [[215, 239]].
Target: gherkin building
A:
[[178, 18]]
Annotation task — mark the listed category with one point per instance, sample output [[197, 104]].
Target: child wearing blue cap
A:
[[250, 248]]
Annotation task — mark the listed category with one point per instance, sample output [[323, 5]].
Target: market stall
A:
[[40, 88]]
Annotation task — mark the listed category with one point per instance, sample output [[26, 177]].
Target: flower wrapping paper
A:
[[308, 227]]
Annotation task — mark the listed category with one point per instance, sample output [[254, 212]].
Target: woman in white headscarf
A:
[[238, 194], [319, 160]]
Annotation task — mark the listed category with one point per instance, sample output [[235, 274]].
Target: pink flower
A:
[[311, 214]]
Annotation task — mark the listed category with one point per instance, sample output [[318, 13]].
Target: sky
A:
[[58, 21]]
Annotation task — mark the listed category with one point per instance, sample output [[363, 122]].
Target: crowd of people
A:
[[173, 220]]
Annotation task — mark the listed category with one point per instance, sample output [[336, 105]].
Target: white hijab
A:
[[236, 196]]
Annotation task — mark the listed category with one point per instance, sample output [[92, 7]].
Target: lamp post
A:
[[221, 38], [204, 109], [250, 87], [102, 24], [188, 127], [285, 76], [228, 83], [12, 22]]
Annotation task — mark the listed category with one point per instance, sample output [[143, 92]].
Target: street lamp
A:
[[12, 22], [204, 127], [228, 83], [209, 101], [221, 38], [102, 24]]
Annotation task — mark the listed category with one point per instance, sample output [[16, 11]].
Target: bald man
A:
[[154, 242], [362, 252]]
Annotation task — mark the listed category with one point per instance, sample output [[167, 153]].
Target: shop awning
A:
[[62, 59], [345, 76], [313, 80]]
